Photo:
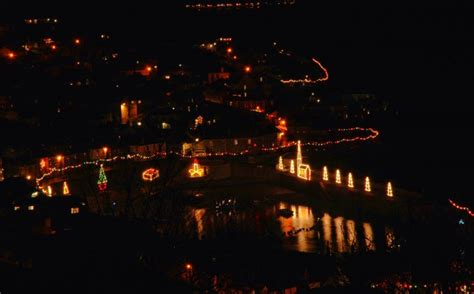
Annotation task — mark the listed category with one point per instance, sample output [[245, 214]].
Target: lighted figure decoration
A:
[[304, 172], [102, 182], [350, 181], [299, 157], [292, 166], [197, 171], [325, 174], [338, 177], [280, 163], [389, 190], [367, 185], [50, 191], [150, 174], [198, 121], [66, 189]]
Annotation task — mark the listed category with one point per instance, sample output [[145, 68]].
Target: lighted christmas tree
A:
[[338, 177], [299, 156], [389, 190], [280, 163], [367, 185], [102, 182], [350, 181], [325, 174], [65, 188], [292, 166]]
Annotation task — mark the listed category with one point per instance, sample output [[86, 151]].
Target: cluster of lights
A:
[[459, 207], [307, 80], [372, 135], [246, 5], [197, 171]]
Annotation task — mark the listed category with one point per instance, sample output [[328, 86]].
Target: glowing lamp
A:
[[325, 174], [280, 163], [66, 189], [77, 41], [367, 185], [150, 174], [292, 166], [229, 50], [350, 181], [50, 191], [247, 69], [389, 190], [338, 177]]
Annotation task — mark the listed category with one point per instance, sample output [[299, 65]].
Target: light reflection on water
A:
[[305, 230]]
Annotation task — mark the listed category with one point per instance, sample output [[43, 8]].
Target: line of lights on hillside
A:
[[308, 80], [459, 207]]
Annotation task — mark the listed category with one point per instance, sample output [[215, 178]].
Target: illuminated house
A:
[[129, 111], [150, 174], [304, 172], [197, 171]]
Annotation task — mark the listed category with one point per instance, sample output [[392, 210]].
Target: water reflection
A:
[[303, 229]]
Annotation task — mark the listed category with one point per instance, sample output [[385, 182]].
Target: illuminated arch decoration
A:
[[304, 172], [350, 181], [197, 171], [389, 190], [66, 191], [150, 174]]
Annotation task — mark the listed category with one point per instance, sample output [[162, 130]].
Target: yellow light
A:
[[150, 174], [247, 69], [31, 207], [280, 163], [338, 177], [229, 50], [167, 77], [235, 57], [77, 41], [59, 158], [149, 68], [11, 55], [65, 189], [292, 166], [53, 47], [389, 190], [189, 266], [28, 177], [197, 171], [50, 191], [74, 210], [139, 123], [105, 149], [367, 185], [304, 172], [325, 174], [196, 140], [350, 181], [16, 207]]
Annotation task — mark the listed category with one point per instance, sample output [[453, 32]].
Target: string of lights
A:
[[459, 207], [307, 80], [372, 135]]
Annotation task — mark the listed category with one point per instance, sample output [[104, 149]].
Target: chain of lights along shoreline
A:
[[310, 81], [459, 207], [372, 135]]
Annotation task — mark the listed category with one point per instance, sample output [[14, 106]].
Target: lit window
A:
[[31, 207], [16, 207], [249, 141], [74, 210], [236, 142]]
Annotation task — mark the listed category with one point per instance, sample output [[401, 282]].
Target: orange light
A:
[[283, 122], [28, 177], [77, 41], [229, 50], [53, 47], [11, 55], [247, 69], [235, 57], [105, 149], [59, 158], [189, 266], [149, 68]]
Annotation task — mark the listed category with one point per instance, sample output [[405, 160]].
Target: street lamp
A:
[[105, 149]]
